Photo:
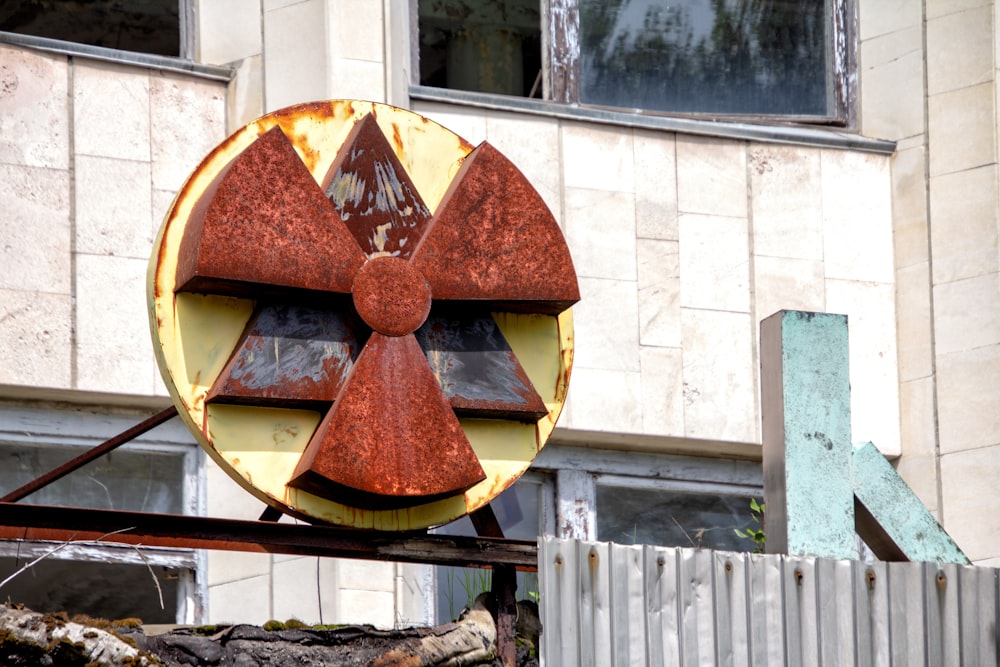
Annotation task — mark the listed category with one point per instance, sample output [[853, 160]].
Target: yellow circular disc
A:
[[197, 327]]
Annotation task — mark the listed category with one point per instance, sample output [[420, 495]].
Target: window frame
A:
[[185, 34], [82, 428], [578, 471], [560, 29]]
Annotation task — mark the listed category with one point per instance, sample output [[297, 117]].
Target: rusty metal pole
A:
[[503, 590]]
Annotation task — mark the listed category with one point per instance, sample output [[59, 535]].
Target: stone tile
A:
[[892, 85], [114, 351], [34, 108], [226, 498], [918, 464], [162, 201], [871, 321], [968, 399], [720, 393], [113, 207], [961, 129], [34, 229], [967, 314], [35, 339], [111, 110], [531, 143], [228, 30], [971, 503], [655, 185], [714, 262], [857, 230], [188, 119], [329, 589], [295, 68], [295, 590], [356, 29], [787, 284], [227, 566], [415, 595], [787, 201], [961, 49], [964, 224], [920, 474], [243, 601], [374, 607], [603, 400], [468, 123], [945, 7], [878, 18], [662, 391], [368, 575], [605, 325], [600, 231], [913, 322], [659, 293], [711, 176], [909, 207], [245, 100], [916, 401], [597, 157], [355, 79]]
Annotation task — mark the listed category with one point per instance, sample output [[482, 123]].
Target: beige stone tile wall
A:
[[90, 155], [683, 244], [928, 75]]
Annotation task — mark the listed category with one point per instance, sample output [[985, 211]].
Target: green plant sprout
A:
[[755, 534]]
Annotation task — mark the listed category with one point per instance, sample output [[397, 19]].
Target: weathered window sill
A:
[[799, 135], [156, 62]]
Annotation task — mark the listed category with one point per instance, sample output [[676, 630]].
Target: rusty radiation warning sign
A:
[[363, 318]]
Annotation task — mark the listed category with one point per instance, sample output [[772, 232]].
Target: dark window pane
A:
[[517, 511], [710, 56], [147, 26], [664, 518], [488, 46], [101, 590], [120, 480]]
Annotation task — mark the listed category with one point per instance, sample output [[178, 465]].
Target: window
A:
[[699, 519], [157, 472], [611, 496], [717, 57], [145, 26]]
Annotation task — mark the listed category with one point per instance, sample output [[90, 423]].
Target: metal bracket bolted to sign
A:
[[820, 490]]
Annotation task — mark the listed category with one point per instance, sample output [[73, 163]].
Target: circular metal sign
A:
[[363, 318]]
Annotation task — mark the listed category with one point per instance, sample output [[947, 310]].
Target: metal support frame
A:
[[65, 524]]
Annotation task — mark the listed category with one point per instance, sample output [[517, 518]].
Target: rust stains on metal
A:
[[391, 296], [374, 195], [374, 312], [378, 447], [493, 239], [397, 138], [265, 224]]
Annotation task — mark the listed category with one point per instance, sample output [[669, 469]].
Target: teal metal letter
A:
[[806, 409], [891, 519], [818, 489]]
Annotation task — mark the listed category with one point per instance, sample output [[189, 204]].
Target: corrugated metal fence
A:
[[608, 604]]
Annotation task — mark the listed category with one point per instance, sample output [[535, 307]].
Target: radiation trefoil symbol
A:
[[361, 264]]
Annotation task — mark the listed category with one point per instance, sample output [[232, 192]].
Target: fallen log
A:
[[32, 638]]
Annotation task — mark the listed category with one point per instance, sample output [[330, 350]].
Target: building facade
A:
[[688, 225]]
